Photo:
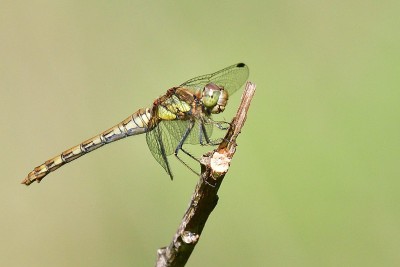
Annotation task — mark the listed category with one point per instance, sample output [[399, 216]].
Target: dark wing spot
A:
[[240, 65]]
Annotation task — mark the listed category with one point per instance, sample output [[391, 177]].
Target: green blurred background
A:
[[314, 182]]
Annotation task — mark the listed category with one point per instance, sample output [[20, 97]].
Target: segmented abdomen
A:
[[137, 123]]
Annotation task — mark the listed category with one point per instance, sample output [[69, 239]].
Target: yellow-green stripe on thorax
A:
[[175, 104]]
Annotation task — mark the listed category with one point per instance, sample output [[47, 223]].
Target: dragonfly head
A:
[[214, 98]]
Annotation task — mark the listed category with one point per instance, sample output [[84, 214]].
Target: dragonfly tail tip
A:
[[25, 182]]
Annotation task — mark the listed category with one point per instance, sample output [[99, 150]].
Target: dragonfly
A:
[[183, 115]]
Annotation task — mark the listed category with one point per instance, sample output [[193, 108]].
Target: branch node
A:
[[219, 164], [189, 237]]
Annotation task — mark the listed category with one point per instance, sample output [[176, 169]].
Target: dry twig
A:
[[214, 166]]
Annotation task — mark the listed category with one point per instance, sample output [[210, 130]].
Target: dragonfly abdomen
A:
[[137, 123]]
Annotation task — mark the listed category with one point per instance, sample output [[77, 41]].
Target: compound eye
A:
[[211, 94]]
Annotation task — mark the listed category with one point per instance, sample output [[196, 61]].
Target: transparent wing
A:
[[165, 137], [161, 145], [200, 133], [231, 78]]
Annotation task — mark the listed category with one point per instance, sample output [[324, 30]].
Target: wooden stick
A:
[[214, 166]]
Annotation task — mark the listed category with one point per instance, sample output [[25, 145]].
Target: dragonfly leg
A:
[[203, 132], [222, 125], [208, 141], [190, 155], [184, 163], [179, 147]]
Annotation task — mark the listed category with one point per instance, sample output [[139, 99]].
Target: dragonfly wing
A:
[[177, 128], [199, 133], [231, 78], [208, 128], [161, 145]]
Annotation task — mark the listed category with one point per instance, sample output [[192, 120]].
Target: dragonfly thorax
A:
[[214, 98]]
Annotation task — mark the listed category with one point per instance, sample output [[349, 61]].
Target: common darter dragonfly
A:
[[181, 116]]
